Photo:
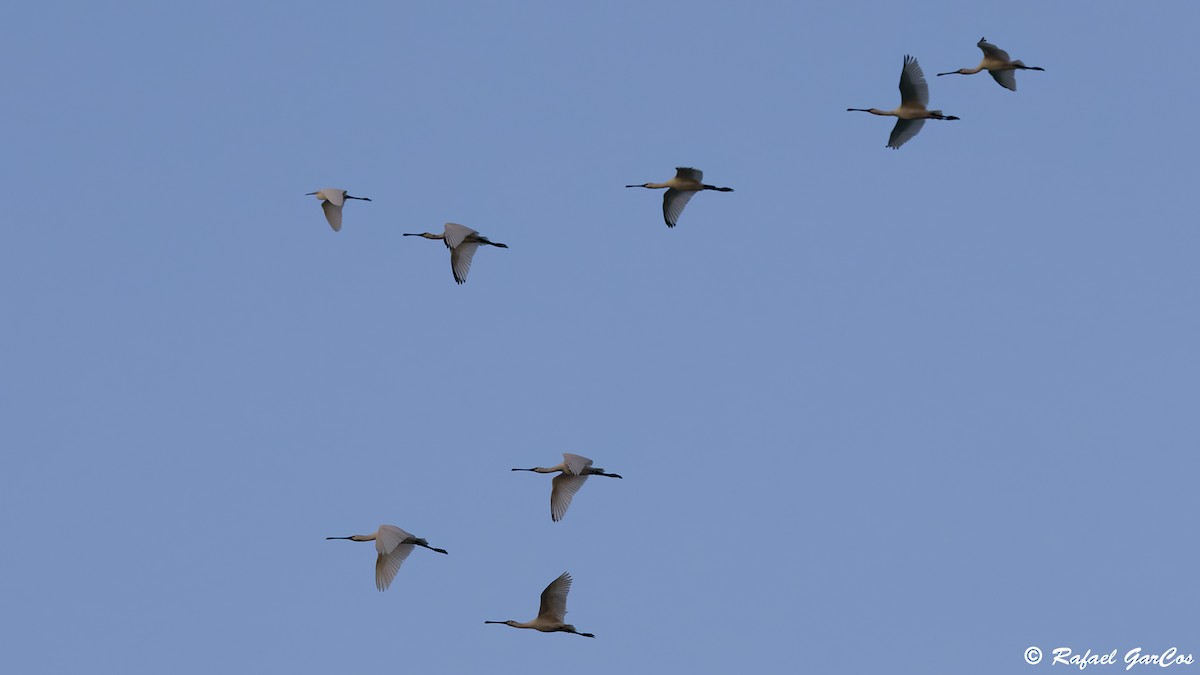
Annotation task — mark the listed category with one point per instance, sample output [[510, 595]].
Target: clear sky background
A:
[[877, 411]]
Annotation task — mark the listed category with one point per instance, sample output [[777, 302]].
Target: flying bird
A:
[[575, 470], [393, 545], [331, 202], [552, 610], [998, 64], [687, 182], [462, 242], [914, 96]]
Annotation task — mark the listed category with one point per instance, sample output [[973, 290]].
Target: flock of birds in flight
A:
[[463, 241], [911, 114], [914, 91], [393, 545]]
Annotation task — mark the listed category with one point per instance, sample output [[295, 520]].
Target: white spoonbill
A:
[[553, 609], [575, 471], [462, 242], [998, 64], [687, 182], [393, 545], [914, 96], [331, 202]]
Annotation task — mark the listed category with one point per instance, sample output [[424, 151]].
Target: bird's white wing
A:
[[1006, 78], [688, 173], [334, 196], [554, 599], [913, 88], [389, 544], [460, 260], [562, 491], [576, 463], [673, 203], [387, 564], [455, 234], [333, 213], [389, 537], [904, 131], [992, 51]]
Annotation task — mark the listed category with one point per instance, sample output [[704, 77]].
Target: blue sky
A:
[[903, 411]]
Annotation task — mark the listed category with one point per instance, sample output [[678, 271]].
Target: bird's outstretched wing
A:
[[913, 88], [992, 51], [333, 213], [673, 203], [576, 463], [460, 260], [904, 131], [554, 599], [1006, 78], [562, 491], [455, 234], [688, 173], [389, 544]]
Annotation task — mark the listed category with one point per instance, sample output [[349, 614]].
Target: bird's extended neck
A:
[[873, 111], [652, 186], [356, 537], [964, 71], [513, 623]]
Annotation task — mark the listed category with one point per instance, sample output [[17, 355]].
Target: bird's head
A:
[[510, 622], [639, 185]]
